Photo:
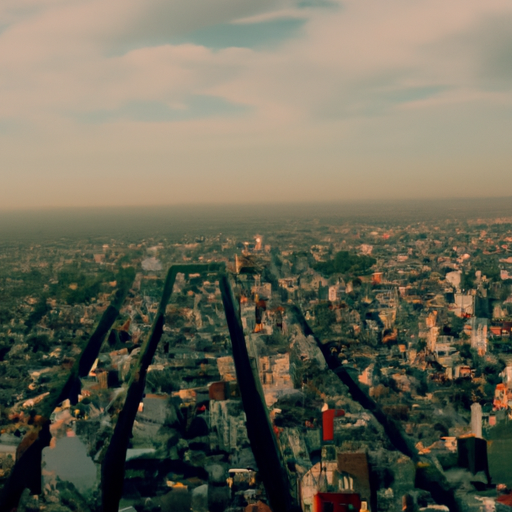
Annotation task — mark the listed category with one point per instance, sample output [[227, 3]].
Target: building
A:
[[337, 486], [479, 335]]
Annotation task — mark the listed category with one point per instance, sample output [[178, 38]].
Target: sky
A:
[[154, 102]]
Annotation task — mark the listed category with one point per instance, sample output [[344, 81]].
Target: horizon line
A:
[[271, 203]]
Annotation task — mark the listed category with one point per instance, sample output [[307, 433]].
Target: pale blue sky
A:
[[133, 102]]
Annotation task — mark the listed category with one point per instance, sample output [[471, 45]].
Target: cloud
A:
[[489, 41], [261, 35], [352, 61], [283, 14], [163, 21], [370, 55], [196, 107], [359, 91]]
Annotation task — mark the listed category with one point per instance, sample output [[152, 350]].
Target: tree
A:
[[465, 351], [162, 381], [455, 324], [464, 394], [324, 316], [344, 263], [40, 309], [276, 339], [39, 343]]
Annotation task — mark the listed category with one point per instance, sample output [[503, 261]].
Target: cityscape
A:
[[255, 256], [311, 362]]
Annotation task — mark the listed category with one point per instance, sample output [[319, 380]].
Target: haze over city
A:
[[255, 256], [165, 102]]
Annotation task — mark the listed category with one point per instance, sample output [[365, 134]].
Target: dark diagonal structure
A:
[[27, 471], [259, 429]]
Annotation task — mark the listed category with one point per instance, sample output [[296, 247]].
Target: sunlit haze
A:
[[212, 101]]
